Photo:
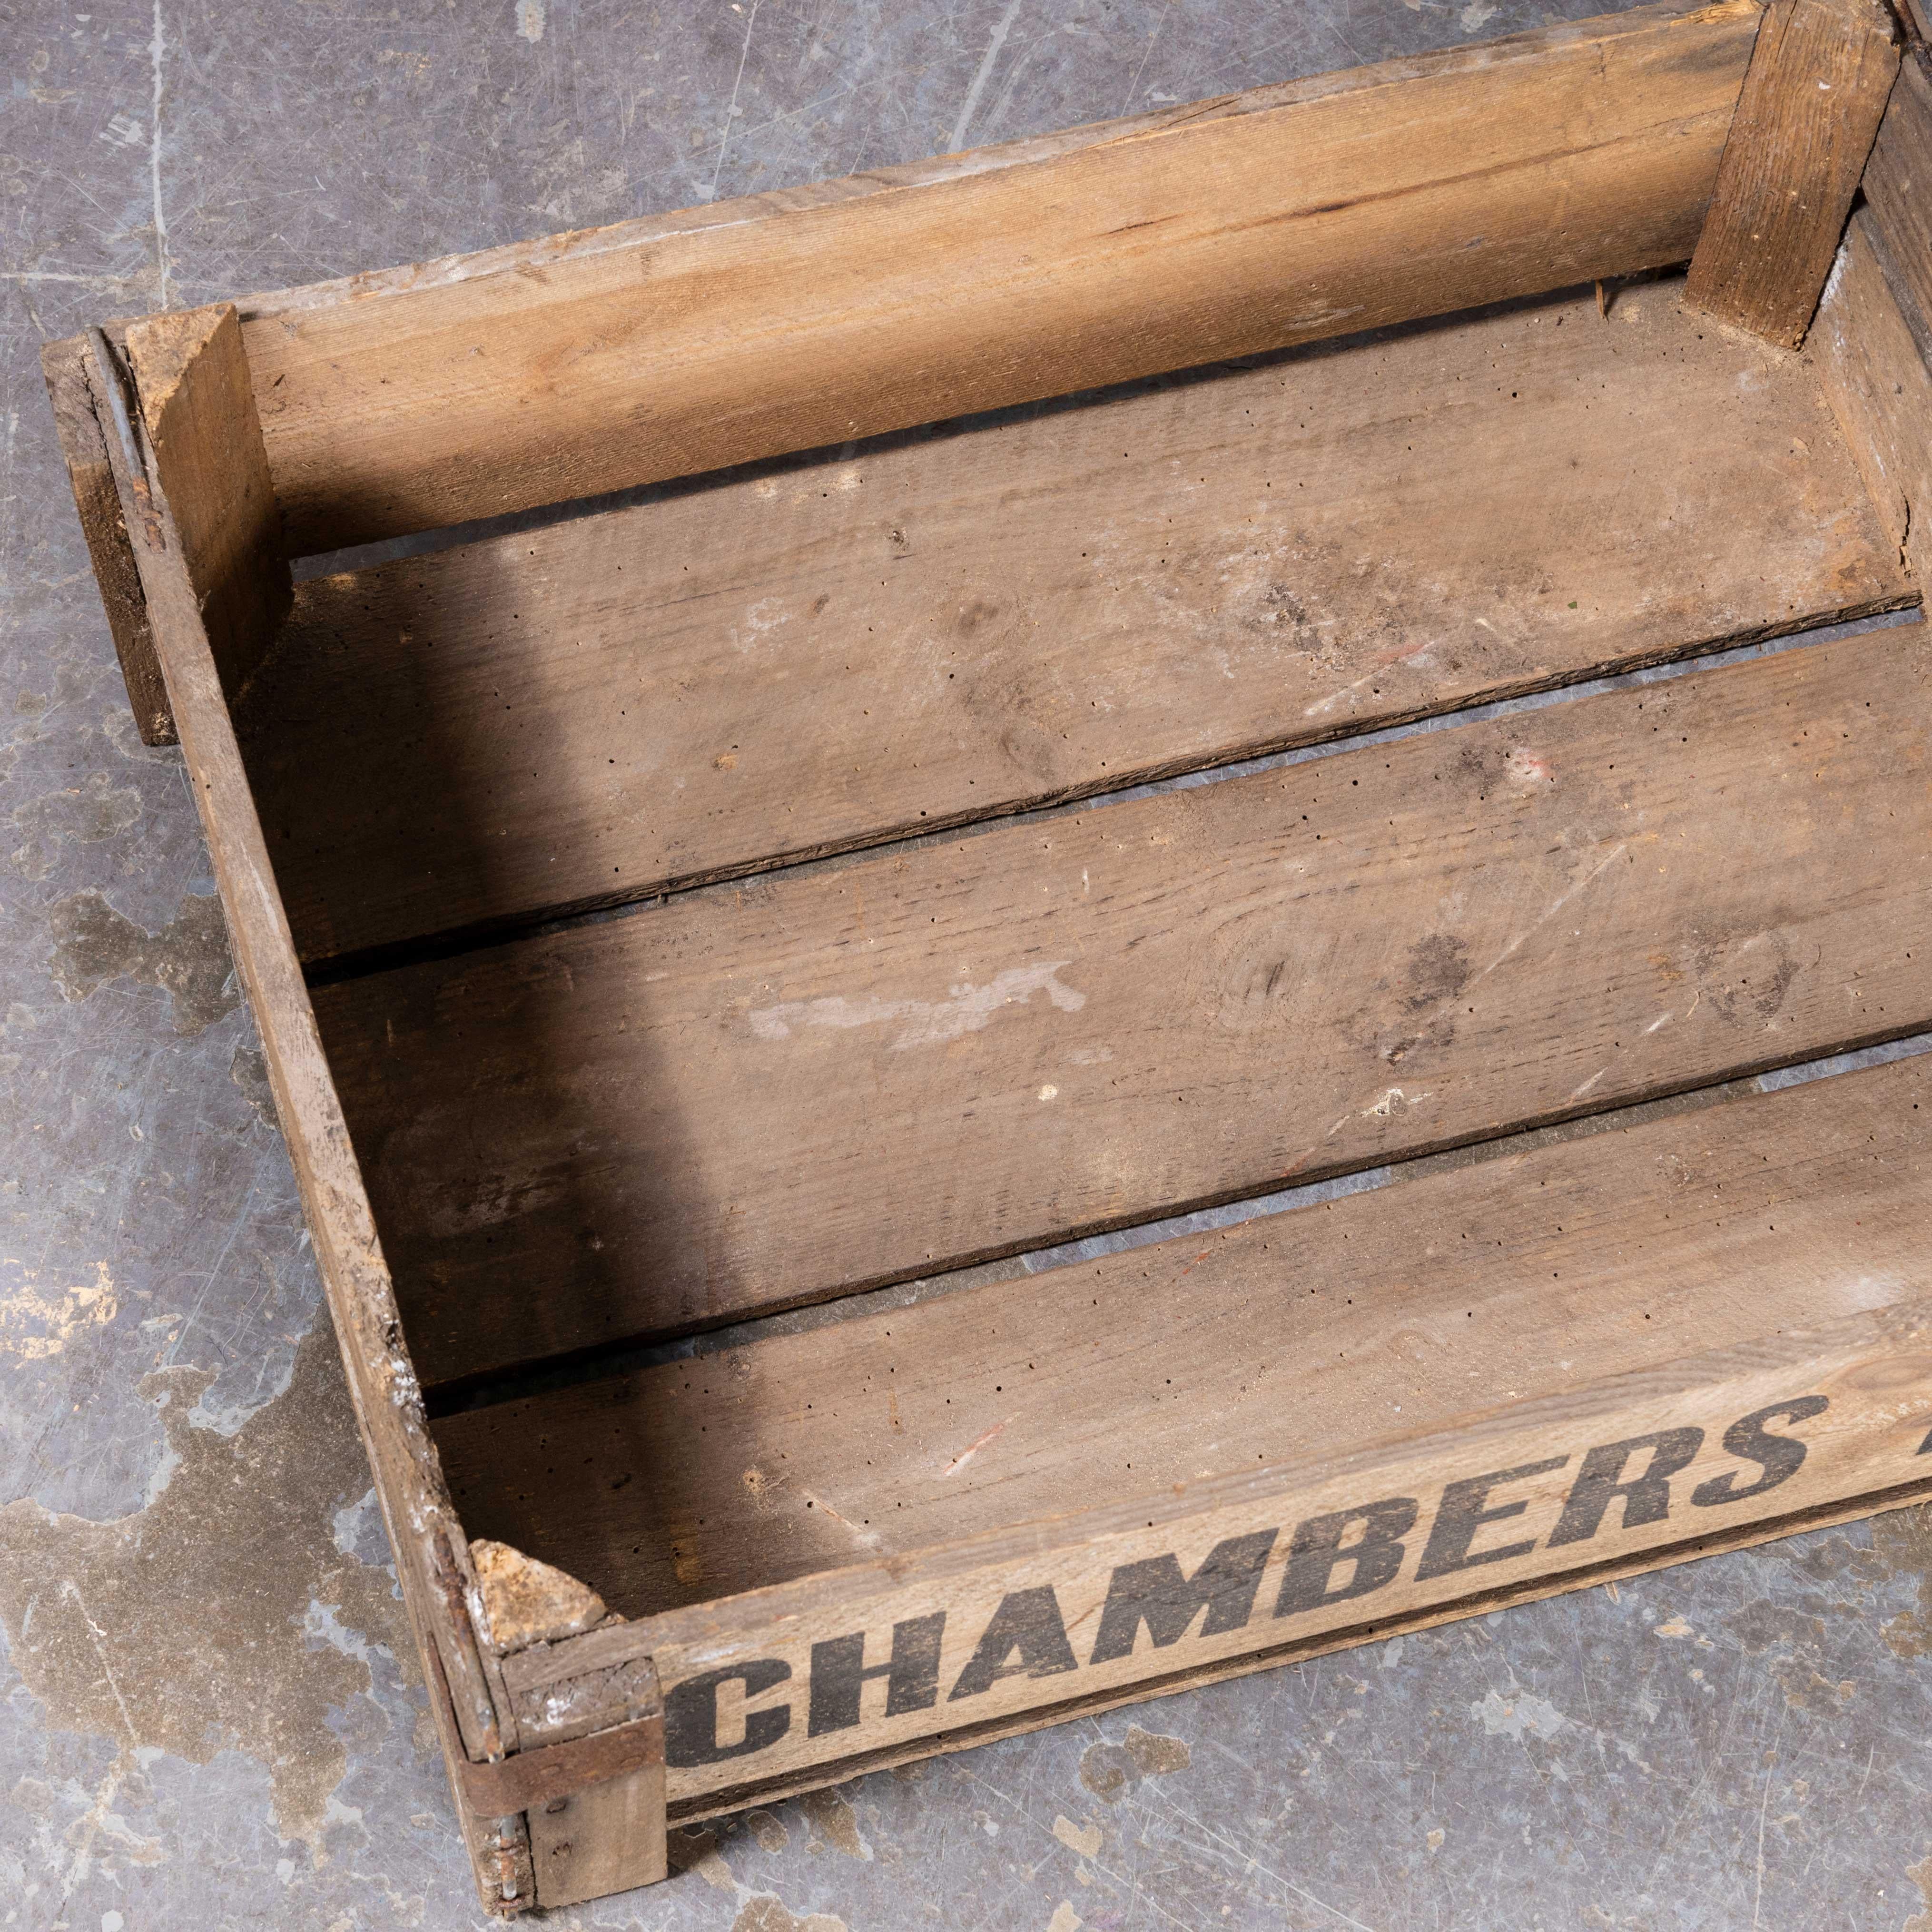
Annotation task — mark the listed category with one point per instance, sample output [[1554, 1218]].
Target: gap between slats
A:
[[602, 1364]]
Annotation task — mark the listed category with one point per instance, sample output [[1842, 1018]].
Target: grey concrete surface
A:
[[209, 1715]]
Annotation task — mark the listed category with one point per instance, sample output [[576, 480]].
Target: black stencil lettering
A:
[[1646, 1497], [1316, 1552], [839, 1670], [1154, 1592], [1026, 1628], [690, 1714], [1461, 1513], [1779, 1456]]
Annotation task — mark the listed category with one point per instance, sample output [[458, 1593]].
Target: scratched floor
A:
[[208, 1717]]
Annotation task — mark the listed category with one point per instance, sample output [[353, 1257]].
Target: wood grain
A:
[[1871, 346], [1811, 104], [1898, 186], [736, 331], [198, 411], [203, 492], [1057, 602], [64, 366], [775, 1786], [755, 1096], [1840, 1365], [1379, 1315]]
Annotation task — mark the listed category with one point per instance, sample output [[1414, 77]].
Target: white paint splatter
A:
[[1512, 1717], [350, 1520], [985, 74], [530, 18], [1476, 16], [36, 1322], [926, 1022], [1394, 1098], [156, 47], [1085, 1841], [320, 1625]]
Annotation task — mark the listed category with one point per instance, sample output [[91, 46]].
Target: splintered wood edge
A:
[[432, 1560], [83, 444], [523, 1601]]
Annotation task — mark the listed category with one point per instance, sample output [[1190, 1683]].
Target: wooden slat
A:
[[1502, 1320], [1378, 1316], [1811, 104], [1870, 345], [82, 444], [206, 558], [792, 663], [753, 1096], [735, 331], [1898, 183]]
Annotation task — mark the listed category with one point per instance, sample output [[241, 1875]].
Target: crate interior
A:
[[898, 859]]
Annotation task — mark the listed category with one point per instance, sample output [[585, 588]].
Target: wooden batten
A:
[[1898, 188], [1873, 350], [79, 422], [1817, 87]]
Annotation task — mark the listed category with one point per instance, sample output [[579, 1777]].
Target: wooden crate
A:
[[747, 897]]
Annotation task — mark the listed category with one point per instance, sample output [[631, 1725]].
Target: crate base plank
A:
[[1368, 956], [1374, 1318], [820, 656], [744, 897]]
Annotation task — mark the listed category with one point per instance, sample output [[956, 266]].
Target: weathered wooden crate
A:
[[575, 1052]]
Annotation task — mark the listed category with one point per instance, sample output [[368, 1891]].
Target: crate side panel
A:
[[1544, 1492], [1416, 189]]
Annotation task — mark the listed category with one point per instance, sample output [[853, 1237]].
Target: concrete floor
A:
[[209, 1715]]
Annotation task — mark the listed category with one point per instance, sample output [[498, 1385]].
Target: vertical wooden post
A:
[[1813, 98], [84, 444]]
